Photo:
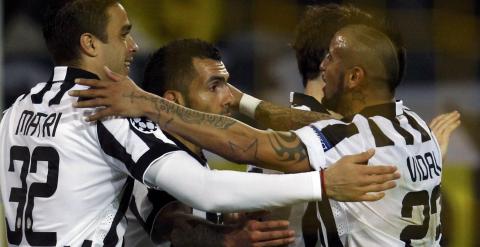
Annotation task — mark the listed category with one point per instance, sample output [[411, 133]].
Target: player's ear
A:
[[355, 76], [88, 44], [174, 96]]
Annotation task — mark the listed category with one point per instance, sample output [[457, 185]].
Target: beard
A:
[[331, 102]]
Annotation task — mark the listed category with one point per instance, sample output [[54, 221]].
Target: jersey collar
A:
[[64, 73], [387, 110], [182, 146]]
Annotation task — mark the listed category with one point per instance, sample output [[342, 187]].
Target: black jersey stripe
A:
[[300, 99], [200, 158], [67, 85], [111, 239], [409, 139], [133, 208], [38, 97], [113, 148], [151, 155], [255, 170], [418, 127], [158, 199], [335, 133], [311, 226], [333, 239], [381, 140], [87, 243]]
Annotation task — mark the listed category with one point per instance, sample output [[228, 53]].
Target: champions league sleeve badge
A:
[[143, 124]]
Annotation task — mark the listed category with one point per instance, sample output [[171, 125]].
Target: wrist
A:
[[149, 107], [248, 104]]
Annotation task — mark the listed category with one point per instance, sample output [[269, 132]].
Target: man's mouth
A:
[[128, 63]]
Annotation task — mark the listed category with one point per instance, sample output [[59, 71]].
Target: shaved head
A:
[[364, 46]]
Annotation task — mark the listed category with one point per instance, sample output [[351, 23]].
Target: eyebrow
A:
[[216, 77]]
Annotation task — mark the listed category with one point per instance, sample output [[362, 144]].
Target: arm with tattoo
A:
[[226, 136], [349, 179], [283, 118], [277, 117]]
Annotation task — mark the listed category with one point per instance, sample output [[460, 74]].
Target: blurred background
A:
[[443, 71]]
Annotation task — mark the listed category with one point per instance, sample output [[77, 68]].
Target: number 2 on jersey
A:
[[27, 202], [419, 198]]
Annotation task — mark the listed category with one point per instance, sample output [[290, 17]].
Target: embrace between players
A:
[[364, 62]]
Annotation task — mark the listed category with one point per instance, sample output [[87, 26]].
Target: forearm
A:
[[229, 191], [284, 118], [226, 136]]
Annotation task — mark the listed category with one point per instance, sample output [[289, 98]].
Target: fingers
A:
[[442, 121], [376, 170], [267, 233], [361, 158], [450, 128], [379, 187], [434, 123], [257, 215], [91, 103], [380, 178], [90, 82], [276, 242], [107, 112], [370, 197], [267, 225], [87, 93]]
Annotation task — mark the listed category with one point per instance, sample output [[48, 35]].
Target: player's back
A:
[[57, 187], [408, 215]]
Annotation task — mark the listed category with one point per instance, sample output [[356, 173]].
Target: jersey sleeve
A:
[[328, 140], [133, 144], [186, 179]]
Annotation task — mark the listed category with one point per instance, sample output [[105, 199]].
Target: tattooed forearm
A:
[[283, 118], [287, 146], [249, 151], [184, 114]]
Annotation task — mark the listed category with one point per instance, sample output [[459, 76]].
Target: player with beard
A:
[[190, 72], [367, 61]]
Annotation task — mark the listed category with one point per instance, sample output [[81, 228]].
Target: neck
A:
[[192, 147], [356, 100], [90, 67]]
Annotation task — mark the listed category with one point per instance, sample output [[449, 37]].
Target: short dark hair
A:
[[374, 51], [171, 66], [66, 20], [319, 24]]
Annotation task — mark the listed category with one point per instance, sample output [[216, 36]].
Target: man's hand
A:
[[252, 232], [350, 179], [442, 127], [119, 97], [237, 96]]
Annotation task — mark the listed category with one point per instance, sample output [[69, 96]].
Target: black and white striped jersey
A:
[[409, 215], [304, 217], [147, 203], [67, 182]]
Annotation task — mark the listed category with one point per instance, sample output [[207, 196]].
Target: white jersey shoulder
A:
[[409, 215], [66, 182]]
